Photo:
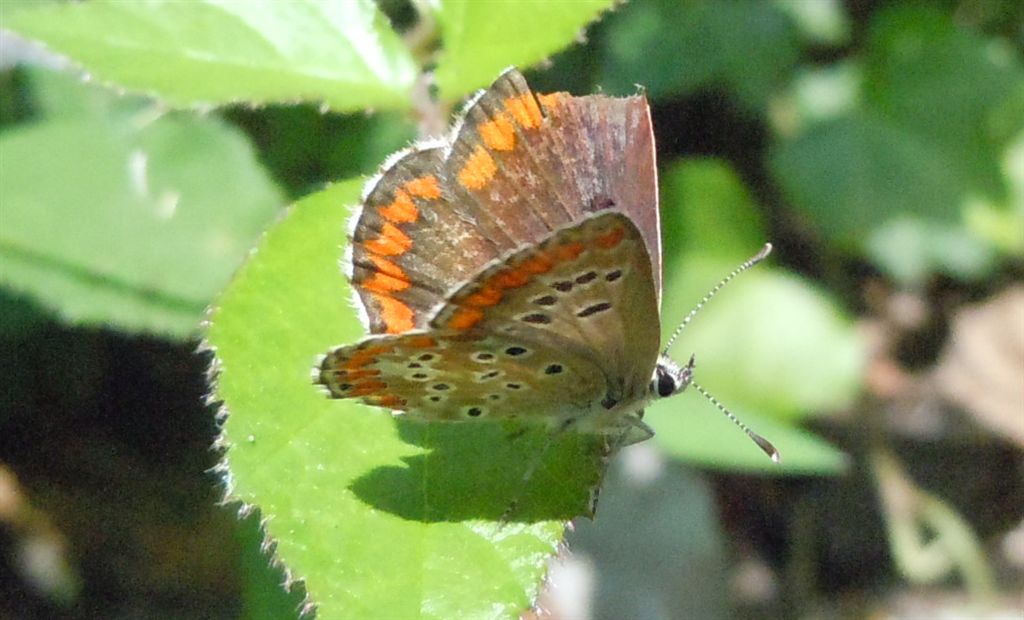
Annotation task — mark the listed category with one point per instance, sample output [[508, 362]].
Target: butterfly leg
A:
[[635, 431], [632, 430]]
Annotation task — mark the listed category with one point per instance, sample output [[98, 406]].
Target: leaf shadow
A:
[[477, 471]]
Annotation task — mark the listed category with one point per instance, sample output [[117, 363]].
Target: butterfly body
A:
[[514, 271]]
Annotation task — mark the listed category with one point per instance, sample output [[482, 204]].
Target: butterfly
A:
[[513, 271]]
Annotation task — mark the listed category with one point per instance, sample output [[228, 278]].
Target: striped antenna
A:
[[761, 442], [755, 259]]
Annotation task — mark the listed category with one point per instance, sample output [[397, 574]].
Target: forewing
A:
[[518, 166], [459, 375], [401, 268]]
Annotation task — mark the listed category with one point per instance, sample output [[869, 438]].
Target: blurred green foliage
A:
[[892, 138]]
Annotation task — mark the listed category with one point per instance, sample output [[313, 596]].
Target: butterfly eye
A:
[[666, 383]]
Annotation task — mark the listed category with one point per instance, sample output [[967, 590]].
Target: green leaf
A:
[[117, 221], [768, 343], [946, 84], [377, 517], [692, 430], [939, 106], [716, 41], [263, 591], [911, 249], [19, 318], [823, 22], [706, 206], [853, 173], [214, 52], [482, 38], [1002, 225]]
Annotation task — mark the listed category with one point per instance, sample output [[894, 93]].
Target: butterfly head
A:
[[670, 378]]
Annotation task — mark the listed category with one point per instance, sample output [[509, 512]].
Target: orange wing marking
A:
[[389, 268], [534, 265], [485, 296], [465, 318], [508, 278], [569, 251], [367, 387], [401, 210], [550, 101], [386, 400], [524, 109], [362, 357], [396, 315], [498, 134], [391, 242], [478, 170], [421, 342], [385, 284], [610, 239], [424, 187]]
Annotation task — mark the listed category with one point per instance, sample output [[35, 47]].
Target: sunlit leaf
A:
[[359, 505], [205, 52], [126, 221], [672, 47], [482, 38]]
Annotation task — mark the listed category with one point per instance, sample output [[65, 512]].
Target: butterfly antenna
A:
[[761, 442], [755, 259]]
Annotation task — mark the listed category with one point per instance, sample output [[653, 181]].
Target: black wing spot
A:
[[612, 276], [483, 356], [474, 412], [562, 286], [414, 365], [516, 351], [594, 309], [553, 369], [538, 318], [547, 300], [419, 376], [440, 387], [494, 396], [586, 278], [426, 357], [435, 398], [514, 386]]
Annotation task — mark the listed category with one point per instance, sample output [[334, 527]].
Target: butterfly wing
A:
[[549, 331], [587, 289], [459, 375], [519, 166]]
